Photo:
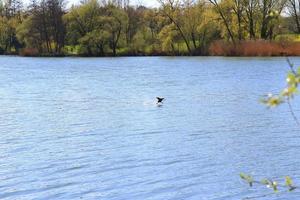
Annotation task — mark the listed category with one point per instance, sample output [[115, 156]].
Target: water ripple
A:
[[77, 128]]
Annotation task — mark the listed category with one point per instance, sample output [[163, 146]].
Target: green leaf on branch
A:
[[274, 186], [298, 70], [290, 91], [289, 183], [247, 178], [272, 100], [265, 182], [270, 184], [291, 79]]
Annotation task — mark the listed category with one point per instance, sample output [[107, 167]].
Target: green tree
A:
[[294, 11], [82, 24], [172, 10], [116, 21], [93, 27], [43, 28], [8, 40]]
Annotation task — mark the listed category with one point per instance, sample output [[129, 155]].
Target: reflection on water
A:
[[89, 128]]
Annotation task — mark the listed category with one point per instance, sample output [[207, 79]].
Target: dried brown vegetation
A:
[[255, 48]]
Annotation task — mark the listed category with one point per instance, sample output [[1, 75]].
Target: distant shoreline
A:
[[258, 48], [124, 56], [163, 55]]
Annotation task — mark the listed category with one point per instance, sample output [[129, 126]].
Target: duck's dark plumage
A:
[[159, 99]]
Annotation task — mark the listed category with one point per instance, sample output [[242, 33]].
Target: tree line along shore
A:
[[176, 27]]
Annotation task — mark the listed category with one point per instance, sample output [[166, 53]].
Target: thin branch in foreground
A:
[[270, 183], [292, 112], [291, 65]]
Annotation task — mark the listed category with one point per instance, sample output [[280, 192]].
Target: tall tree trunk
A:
[[194, 40], [294, 13], [219, 10]]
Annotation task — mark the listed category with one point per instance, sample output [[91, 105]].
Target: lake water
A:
[[89, 128]]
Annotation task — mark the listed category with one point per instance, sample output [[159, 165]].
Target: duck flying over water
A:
[[160, 99]]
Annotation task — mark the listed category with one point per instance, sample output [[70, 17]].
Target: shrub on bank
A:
[[255, 48], [29, 52]]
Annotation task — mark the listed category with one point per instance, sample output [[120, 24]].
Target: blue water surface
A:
[[89, 128]]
